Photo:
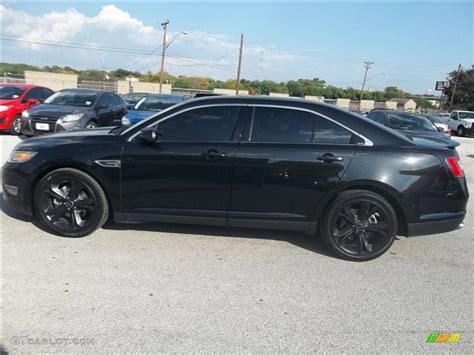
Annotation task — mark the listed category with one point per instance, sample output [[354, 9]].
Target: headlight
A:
[[25, 114], [4, 108], [125, 121], [21, 156], [71, 118]]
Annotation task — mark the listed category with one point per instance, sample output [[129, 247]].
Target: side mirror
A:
[[32, 102], [148, 135]]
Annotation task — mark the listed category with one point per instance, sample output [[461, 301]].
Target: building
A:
[[404, 104]]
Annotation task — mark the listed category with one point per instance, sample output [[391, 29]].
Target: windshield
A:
[[133, 98], [466, 115], [72, 98], [434, 119], [10, 92], [410, 123], [153, 103]]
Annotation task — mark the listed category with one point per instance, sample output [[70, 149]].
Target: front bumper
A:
[[16, 189], [436, 224], [28, 126]]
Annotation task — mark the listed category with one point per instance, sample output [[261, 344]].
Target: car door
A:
[[186, 175], [453, 121], [287, 160], [120, 108], [104, 108]]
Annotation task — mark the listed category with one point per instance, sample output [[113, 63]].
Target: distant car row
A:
[[33, 110]]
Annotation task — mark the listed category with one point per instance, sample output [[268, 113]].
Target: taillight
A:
[[455, 166]]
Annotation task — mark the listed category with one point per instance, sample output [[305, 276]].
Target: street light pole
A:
[[163, 51], [367, 67], [455, 86], [239, 67]]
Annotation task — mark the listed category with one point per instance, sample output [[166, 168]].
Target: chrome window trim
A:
[[367, 141]]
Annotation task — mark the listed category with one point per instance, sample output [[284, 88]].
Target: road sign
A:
[[440, 85]]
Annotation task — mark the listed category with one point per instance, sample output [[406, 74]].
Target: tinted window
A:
[[279, 125], [209, 124], [117, 100], [410, 122], [327, 132], [106, 99], [157, 103], [40, 94]]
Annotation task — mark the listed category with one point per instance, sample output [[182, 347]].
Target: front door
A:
[[186, 175], [289, 159]]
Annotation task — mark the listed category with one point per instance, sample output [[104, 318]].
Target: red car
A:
[[14, 99]]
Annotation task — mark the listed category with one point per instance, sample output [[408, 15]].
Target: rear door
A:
[[287, 160]]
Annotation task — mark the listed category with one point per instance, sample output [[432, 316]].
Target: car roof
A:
[[22, 85], [166, 96], [85, 90]]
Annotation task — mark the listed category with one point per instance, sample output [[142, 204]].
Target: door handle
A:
[[213, 154], [329, 158]]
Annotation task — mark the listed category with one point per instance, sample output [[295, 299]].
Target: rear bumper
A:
[[436, 224]]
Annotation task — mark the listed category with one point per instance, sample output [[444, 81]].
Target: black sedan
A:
[[411, 125], [245, 162], [72, 109]]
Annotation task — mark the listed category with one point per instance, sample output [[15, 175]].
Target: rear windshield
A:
[[407, 122], [151, 103], [8, 92], [72, 98]]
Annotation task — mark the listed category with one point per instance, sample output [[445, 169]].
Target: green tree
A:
[[393, 92], [464, 96]]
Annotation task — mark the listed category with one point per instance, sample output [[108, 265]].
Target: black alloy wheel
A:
[[359, 225], [70, 203]]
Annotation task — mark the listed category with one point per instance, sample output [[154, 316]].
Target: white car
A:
[[461, 122]]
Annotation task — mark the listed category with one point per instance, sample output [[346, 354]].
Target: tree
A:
[[464, 96], [423, 103], [393, 92]]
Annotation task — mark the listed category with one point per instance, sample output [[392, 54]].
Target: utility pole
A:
[[237, 84], [454, 88], [367, 67], [163, 50]]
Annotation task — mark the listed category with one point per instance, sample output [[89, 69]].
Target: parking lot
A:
[[157, 287]]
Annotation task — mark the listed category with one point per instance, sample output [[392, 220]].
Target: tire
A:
[[70, 203], [15, 127], [91, 124], [359, 225], [460, 131]]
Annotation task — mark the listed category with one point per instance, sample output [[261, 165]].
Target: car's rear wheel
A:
[[15, 128], [460, 132], [359, 225], [70, 203]]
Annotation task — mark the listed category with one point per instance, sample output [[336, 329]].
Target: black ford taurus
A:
[[246, 162]]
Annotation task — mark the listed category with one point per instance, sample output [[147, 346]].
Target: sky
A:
[[412, 44]]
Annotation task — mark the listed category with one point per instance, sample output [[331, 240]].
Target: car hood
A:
[[101, 135], [56, 111], [468, 119], [8, 102], [138, 115], [432, 136]]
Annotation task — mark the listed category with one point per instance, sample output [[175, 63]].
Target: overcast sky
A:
[[414, 44]]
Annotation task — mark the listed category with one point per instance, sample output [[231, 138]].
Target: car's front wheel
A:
[[91, 124], [359, 225], [15, 128], [460, 132], [70, 203]]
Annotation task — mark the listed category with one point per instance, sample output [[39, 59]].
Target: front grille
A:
[[43, 121]]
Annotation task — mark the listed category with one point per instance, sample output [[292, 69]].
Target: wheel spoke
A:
[[377, 227], [76, 188], [366, 245], [56, 212], [342, 235], [54, 194], [88, 202]]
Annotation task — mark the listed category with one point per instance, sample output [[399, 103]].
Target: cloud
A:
[[211, 54]]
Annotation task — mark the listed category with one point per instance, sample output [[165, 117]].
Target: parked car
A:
[[133, 98], [71, 109], [245, 162], [14, 99], [411, 125], [149, 105], [460, 122], [440, 123]]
